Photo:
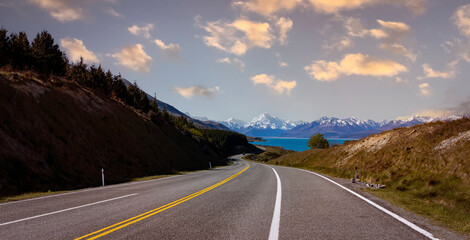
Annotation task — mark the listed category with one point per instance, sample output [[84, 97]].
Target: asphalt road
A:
[[241, 201]]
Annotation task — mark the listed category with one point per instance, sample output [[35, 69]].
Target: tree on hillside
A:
[[20, 51], [318, 141], [78, 72], [4, 47], [118, 88], [137, 98], [153, 104], [100, 79], [48, 59]]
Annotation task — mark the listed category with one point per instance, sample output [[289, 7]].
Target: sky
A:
[[295, 59]]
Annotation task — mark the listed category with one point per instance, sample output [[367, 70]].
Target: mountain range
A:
[[205, 123], [266, 125]]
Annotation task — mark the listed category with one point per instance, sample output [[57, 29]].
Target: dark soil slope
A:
[[57, 135]]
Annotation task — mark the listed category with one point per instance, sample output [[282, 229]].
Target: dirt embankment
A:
[[56, 135]]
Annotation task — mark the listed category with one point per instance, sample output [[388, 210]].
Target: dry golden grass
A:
[[420, 174], [29, 195]]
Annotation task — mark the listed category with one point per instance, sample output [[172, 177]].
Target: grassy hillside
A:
[[57, 135], [426, 168]]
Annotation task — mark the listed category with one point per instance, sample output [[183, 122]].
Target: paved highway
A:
[[243, 201]]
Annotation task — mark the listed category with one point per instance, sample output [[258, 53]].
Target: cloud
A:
[[353, 26], [113, 12], [76, 49], [70, 10], [271, 82], [463, 109], [418, 7], [239, 64], [428, 113], [394, 26], [134, 57], [389, 31], [283, 64], [224, 60], [353, 64], [284, 25], [323, 70], [459, 48], [338, 44], [238, 36], [424, 89], [143, 31], [461, 19], [391, 34], [399, 50], [328, 6], [257, 33], [431, 73], [61, 10], [267, 7], [196, 90], [172, 50], [222, 36]]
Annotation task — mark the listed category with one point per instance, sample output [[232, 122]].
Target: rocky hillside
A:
[[57, 135], [425, 167]]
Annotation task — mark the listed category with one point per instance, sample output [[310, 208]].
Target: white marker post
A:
[[355, 175], [102, 177], [210, 165]]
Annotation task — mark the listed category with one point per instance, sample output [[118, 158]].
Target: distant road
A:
[[241, 201]]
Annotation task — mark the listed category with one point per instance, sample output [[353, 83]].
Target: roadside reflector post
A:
[[102, 177], [355, 174], [210, 165]]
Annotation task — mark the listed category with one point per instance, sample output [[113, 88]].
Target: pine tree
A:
[[79, 73], [153, 104], [119, 88], [4, 47], [48, 59], [20, 51]]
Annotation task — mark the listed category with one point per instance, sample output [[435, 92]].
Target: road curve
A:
[[233, 202]]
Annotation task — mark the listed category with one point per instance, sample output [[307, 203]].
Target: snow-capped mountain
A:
[[266, 125], [333, 127], [234, 124], [266, 121]]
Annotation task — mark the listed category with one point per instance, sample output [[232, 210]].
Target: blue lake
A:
[[296, 144]]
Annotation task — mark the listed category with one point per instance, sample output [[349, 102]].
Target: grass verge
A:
[[25, 196], [442, 198], [453, 217], [29, 195]]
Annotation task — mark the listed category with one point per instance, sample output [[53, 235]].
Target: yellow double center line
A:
[[125, 223]]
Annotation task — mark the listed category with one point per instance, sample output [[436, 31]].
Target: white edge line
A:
[[100, 188], [404, 221], [94, 189], [274, 231], [64, 210]]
